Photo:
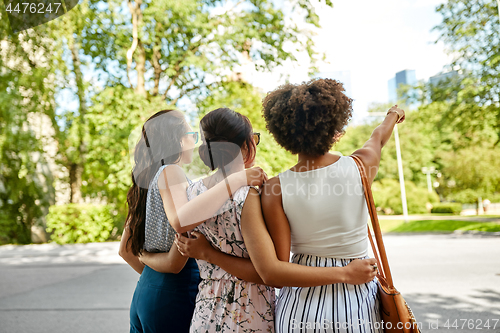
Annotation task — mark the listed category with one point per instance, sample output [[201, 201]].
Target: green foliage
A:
[[417, 148], [246, 99], [469, 30], [26, 93], [467, 196], [387, 196], [189, 45], [447, 208], [115, 113], [81, 223], [475, 168]]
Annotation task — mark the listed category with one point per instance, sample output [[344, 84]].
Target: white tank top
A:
[[326, 209]]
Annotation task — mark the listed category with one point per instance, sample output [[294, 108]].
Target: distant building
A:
[[343, 76], [402, 78], [436, 79]]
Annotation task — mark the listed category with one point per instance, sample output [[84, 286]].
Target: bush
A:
[[81, 223], [447, 207], [387, 196], [466, 196]]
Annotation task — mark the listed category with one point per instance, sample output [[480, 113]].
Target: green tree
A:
[[167, 50], [114, 114], [417, 148], [475, 168], [27, 88], [247, 100], [469, 29]]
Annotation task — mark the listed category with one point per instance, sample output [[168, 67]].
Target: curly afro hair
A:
[[308, 117]]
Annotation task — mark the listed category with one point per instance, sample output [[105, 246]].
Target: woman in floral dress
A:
[[235, 300]]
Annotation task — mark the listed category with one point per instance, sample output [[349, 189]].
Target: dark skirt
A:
[[164, 302]]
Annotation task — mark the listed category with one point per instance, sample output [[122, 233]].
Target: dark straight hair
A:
[[167, 127], [225, 125]]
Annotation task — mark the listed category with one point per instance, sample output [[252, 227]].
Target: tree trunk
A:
[[136, 12], [75, 181], [157, 67], [156, 59], [76, 166], [141, 70]]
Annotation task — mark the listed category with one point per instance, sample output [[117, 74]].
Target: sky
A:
[[371, 40]]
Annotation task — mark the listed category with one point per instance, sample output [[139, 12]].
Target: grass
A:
[[438, 226]]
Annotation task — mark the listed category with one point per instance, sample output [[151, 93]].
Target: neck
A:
[[232, 168], [304, 158], [218, 176]]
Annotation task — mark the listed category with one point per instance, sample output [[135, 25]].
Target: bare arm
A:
[[127, 254], [165, 262], [276, 272], [275, 218], [371, 151], [184, 215], [199, 248]]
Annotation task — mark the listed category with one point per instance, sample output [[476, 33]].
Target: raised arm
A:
[[185, 215], [276, 272], [372, 149]]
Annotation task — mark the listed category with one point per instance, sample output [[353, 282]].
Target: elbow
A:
[[269, 278], [176, 270], [273, 282], [122, 253], [173, 269], [174, 222]]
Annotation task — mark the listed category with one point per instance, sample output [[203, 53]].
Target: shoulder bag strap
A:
[[379, 248]]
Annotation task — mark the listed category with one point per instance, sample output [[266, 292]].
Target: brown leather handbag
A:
[[395, 312]]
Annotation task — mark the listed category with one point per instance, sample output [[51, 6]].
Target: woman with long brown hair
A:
[[158, 209]]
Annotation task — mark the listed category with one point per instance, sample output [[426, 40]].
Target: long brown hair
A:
[[148, 158]]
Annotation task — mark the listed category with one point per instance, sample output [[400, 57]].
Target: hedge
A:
[[447, 207], [81, 223]]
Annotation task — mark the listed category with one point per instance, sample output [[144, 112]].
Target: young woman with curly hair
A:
[[317, 210]]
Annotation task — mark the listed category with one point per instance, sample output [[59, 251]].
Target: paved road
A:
[[87, 288]]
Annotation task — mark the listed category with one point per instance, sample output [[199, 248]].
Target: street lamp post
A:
[[428, 172], [400, 166], [401, 176]]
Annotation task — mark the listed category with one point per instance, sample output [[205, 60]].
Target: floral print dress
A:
[[225, 303]]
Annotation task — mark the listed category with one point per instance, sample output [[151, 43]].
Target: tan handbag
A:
[[395, 312]]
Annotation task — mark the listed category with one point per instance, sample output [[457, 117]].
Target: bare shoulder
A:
[[171, 175], [272, 188]]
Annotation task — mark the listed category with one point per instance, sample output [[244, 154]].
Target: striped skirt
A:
[[335, 308]]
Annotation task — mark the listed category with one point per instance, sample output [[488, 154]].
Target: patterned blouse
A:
[[225, 303], [159, 235]]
